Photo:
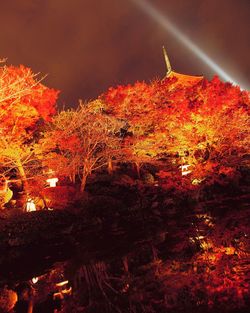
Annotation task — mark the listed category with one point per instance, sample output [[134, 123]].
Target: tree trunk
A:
[[85, 174], [22, 175], [110, 166], [125, 264], [72, 178], [137, 167], [83, 182]]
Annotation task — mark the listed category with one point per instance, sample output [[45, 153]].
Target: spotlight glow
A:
[[164, 21]]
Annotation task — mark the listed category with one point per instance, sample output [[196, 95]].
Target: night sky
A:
[[85, 46]]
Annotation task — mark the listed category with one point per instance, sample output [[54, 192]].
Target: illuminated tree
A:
[[25, 104], [197, 120], [80, 142], [215, 131], [139, 108]]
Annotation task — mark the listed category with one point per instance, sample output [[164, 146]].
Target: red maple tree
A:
[[202, 122], [24, 102]]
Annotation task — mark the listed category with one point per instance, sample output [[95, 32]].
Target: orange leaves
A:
[[23, 99], [206, 120], [71, 142], [82, 140], [43, 100]]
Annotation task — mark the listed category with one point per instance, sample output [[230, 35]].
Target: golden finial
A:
[[168, 65]]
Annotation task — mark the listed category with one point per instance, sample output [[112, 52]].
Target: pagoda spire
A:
[[168, 65]]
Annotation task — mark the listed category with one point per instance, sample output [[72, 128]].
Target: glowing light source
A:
[[52, 181], [67, 291], [185, 170], [63, 283], [34, 280], [166, 24], [199, 237], [30, 205], [197, 181], [62, 289]]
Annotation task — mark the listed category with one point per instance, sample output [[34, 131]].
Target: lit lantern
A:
[[30, 205], [52, 181], [185, 170], [34, 280]]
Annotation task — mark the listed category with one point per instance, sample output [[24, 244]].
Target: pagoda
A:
[[182, 79]]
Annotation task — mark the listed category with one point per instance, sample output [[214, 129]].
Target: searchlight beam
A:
[[166, 24]]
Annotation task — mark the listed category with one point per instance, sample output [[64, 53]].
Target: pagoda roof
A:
[[182, 79], [186, 80]]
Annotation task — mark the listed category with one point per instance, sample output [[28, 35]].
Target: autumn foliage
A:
[[24, 103], [23, 98], [204, 124], [175, 121], [170, 124], [179, 120], [79, 142]]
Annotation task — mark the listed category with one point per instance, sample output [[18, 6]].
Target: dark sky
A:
[[88, 45]]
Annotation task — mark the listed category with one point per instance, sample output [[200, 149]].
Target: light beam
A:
[[166, 24]]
